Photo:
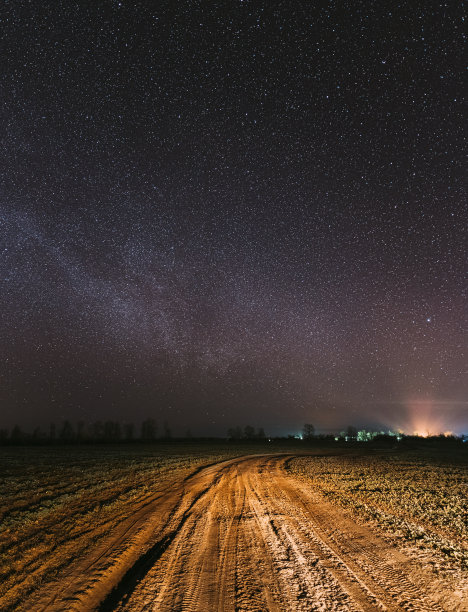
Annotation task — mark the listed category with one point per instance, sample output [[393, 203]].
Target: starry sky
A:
[[230, 212]]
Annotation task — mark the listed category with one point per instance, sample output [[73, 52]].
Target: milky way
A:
[[221, 213]]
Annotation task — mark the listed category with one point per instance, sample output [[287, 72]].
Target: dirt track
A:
[[243, 535]]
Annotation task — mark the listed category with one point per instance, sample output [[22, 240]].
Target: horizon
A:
[[165, 431]]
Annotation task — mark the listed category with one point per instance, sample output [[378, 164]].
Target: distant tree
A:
[[249, 432], [148, 430], [129, 429], [167, 434], [112, 431], [37, 435], [108, 430], [16, 435], [80, 431], [67, 433], [351, 432], [3, 436], [117, 433], [308, 431], [234, 433], [96, 431], [52, 432], [261, 433]]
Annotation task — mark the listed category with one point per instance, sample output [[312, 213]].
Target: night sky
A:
[[223, 213]]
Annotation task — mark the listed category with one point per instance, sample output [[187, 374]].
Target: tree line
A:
[[81, 432], [149, 431], [246, 433]]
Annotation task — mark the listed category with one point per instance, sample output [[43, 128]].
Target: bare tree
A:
[[167, 431], [112, 431], [149, 430], [129, 429], [249, 432], [97, 430], [16, 435], [80, 430], [37, 435], [234, 433], [67, 433]]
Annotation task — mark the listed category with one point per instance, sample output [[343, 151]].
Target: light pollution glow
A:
[[428, 417]]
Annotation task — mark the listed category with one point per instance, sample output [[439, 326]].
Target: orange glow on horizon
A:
[[425, 419]]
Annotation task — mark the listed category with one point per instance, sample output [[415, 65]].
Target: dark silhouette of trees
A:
[[112, 431], [129, 430], [80, 431], [37, 435], [16, 435], [248, 433], [149, 430], [96, 431], [167, 434], [308, 431], [67, 433], [234, 433]]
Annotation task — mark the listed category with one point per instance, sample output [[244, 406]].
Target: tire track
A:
[[372, 562], [306, 569], [225, 598]]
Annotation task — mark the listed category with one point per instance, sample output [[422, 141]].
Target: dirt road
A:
[[243, 535]]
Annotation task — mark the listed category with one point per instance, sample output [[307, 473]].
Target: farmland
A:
[[417, 499], [226, 528], [58, 504]]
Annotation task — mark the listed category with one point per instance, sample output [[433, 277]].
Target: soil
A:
[[243, 535]]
